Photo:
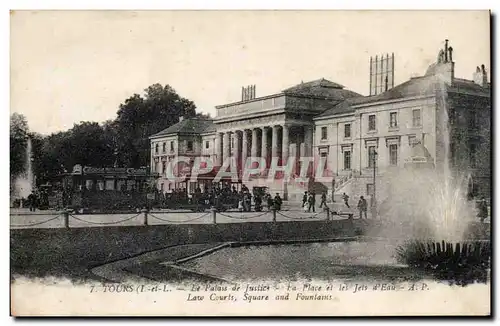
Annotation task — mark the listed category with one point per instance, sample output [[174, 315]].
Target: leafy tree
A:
[[140, 117], [123, 141]]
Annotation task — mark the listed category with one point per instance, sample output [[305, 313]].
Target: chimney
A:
[[445, 50], [248, 93], [480, 77]]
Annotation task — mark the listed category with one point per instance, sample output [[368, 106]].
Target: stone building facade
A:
[[352, 132]]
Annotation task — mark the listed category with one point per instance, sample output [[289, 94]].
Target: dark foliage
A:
[[457, 263], [123, 141]]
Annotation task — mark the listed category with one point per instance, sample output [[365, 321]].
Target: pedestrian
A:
[[240, 205], [312, 202], [363, 207], [482, 210], [323, 200], [258, 203], [346, 199], [270, 202], [277, 202], [32, 202], [305, 199]]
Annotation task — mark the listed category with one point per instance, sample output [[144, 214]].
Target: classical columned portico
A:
[[276, 141]]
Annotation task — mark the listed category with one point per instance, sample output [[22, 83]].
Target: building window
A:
[[371, 122], [171, 146], [347, 160], [164, 167], [156, 148], [324, 133], [371, 156], [347, 130], [369, 189], [416, 117], [393, 120], [110, 184], [472, 155], [393, 154], [164, 147], [207, 144], [473, 120], [190, 145], [413, 141]]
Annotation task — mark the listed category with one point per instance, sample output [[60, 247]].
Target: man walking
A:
[[323, 200], [312, 201], [363, 207], [305, 199], [346, 199], [277, 202]]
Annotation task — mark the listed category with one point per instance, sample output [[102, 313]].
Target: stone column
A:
[[274, 142], [227, 147], [237, 148], [308, 146], [218, 148], [254, 142], [308, 140], [264, 151], [285, 145], [244, 147]]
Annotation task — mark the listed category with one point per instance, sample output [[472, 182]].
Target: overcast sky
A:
[[69, 66]]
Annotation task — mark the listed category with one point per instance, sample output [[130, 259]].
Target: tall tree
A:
[[140, 117]]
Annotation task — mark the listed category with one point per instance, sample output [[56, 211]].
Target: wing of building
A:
[[433, 120]]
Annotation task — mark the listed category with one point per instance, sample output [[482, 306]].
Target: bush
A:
[[458, 263]]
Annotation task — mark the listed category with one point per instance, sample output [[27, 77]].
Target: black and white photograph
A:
[[250, 163]]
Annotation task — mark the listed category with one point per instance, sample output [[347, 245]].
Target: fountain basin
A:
[[328, 261]]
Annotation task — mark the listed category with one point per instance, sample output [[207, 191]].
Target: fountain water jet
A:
[[24, 183]]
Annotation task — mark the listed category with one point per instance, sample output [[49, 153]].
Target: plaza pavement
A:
[[23, 218]]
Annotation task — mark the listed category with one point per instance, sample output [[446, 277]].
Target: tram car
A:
[[91, 189]]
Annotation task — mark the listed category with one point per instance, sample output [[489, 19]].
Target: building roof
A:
[[466, 85], [188, 126], [416, 86], [321, 88]]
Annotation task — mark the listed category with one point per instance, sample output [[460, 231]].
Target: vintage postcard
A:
[[250, 163]]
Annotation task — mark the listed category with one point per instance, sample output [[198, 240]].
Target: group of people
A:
[[362, 205], [222, 196], [309, 201]]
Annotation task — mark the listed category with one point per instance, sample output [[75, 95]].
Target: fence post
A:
[[145, 212], [327, 209], [66, 218], [214, 214], [351, 220], [274, 214]]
